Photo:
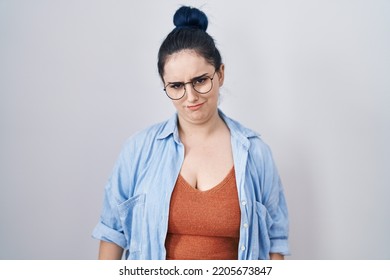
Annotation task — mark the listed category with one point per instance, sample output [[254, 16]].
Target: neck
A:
[[200, 130]]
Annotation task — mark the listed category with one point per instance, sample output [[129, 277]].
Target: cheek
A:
[[215, 94], [177, 103]]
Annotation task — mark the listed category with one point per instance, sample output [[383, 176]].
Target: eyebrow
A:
[[191, 80]]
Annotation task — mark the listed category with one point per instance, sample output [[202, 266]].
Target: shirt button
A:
[[243, 202], [242, 248], [246, 225]]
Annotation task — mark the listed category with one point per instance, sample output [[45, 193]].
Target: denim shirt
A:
[[137, 195]]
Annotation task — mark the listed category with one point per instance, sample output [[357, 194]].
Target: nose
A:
[[192, 95]]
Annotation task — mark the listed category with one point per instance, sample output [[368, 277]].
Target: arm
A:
[[110, 251], [276, 256], [276, 207], [110, 230]]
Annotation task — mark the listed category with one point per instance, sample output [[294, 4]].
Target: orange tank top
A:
[[204, 224]]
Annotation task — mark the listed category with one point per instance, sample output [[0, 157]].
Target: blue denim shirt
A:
[[137, 195]]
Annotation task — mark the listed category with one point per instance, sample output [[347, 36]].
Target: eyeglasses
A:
[[202, 84]]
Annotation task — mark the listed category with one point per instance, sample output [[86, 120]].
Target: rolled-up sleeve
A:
[[109, 228], [275, 202], [280, 227]]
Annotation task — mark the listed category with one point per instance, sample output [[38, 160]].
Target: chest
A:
[[215, 212], [206, 164]]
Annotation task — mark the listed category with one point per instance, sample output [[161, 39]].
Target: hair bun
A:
[[190, 18]]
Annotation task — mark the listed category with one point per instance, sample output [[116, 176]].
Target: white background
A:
[[78, 77]]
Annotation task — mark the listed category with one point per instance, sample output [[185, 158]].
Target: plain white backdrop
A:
[[79, 77]]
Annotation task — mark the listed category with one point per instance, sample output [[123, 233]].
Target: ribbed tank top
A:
[[204, 224]]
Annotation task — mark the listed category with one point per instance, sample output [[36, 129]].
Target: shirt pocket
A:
[[131, 213], [265, 223]]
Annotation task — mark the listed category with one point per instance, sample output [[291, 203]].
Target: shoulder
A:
[[239, 130], [151, 135], [248, 137], [151, 131], [236, 127], [146, 135]]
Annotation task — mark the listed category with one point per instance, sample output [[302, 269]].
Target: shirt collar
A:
[[237, 128], [169, 128], [238, 132]]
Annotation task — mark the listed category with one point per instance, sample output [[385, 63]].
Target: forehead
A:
[[185, 65]]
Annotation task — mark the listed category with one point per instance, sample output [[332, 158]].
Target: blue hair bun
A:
[[191, 18]]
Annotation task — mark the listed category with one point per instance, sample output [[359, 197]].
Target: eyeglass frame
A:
[[193, 86]]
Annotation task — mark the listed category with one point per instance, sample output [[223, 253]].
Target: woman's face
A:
[[183, 67]]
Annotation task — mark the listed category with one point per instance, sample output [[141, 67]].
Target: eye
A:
[[200, 81], [176, 86]]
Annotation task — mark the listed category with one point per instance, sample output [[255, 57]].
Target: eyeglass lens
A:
[[201, 85]]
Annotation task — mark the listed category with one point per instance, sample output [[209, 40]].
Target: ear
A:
[[221, 74]]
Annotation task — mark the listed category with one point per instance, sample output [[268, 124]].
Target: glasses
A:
[[202, 84]]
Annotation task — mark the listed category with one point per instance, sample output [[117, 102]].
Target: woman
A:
[[200, 185]]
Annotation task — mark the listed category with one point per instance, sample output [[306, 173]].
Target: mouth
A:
[[195, 107]]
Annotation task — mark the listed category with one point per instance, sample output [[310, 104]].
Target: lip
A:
[[195, 107]]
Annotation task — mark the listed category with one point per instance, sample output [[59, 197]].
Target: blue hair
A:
[[189, 34], [190, 17]]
